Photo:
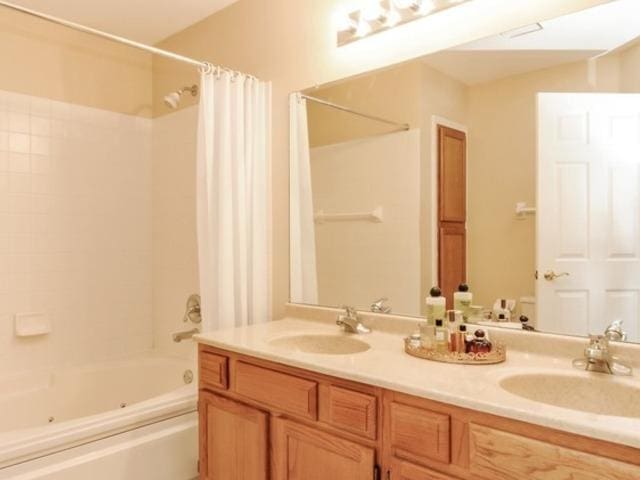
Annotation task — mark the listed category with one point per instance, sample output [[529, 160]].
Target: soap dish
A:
[[497, 355]]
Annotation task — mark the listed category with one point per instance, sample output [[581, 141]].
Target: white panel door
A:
[[588, 222]]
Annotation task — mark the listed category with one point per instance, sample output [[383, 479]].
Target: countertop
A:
[[386, 365]]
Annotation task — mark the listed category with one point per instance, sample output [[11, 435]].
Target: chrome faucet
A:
[[614, 332], [350, 322], [598, 358], [192, 314], [379, 306], [180, 336]]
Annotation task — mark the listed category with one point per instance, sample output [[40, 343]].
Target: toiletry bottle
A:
[[462, 300], [442, 336], [454, 321], [428, 336], [461, 339], [436, 305], [502, 313], [480, 344], [468, 341]]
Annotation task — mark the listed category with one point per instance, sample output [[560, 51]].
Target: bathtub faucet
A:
[[180, 336]]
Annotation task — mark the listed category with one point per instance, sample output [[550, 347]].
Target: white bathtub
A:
[[111, 420]]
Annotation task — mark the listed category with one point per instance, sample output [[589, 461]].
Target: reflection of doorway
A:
[[452, 210], [588, 229]]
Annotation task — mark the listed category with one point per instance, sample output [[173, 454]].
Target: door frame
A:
[[437, 120]]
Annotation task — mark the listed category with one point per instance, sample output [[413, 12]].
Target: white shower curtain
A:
[[233, 199], [304, 278]]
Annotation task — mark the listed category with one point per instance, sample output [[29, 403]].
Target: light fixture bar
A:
[[388, 14]]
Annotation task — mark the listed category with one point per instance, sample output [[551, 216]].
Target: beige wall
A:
[[630, 69], [293, 44], [51, 61]]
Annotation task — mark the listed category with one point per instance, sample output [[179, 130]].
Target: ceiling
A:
[[571, 38], [147, 21]]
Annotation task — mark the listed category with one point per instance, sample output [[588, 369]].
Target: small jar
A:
[[480, 344], [414, 340]]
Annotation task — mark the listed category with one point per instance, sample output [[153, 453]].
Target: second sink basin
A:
[[592, 394], [324, 344]]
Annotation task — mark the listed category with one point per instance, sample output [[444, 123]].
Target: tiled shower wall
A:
[[175, 255], [75, 231]]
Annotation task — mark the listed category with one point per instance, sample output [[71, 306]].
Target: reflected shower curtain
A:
[[304, 279], [233, 154]]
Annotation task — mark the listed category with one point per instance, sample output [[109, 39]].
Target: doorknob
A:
[[551, 275]]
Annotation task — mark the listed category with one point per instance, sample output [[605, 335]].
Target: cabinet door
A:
[[304, 453], [401, 470], [233, 440]]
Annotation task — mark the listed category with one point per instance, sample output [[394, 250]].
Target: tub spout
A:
[[179, 336]]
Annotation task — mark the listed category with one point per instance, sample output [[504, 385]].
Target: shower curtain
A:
[[233, 154], [303, 274]]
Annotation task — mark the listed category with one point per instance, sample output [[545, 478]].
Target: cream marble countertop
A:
[[386, 365]]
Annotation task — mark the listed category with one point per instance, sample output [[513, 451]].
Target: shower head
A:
[[172, 100]]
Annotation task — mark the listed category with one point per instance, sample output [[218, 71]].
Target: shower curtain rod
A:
[[403, 126], [76, 26]]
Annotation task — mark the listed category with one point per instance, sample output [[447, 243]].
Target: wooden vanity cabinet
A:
[[265, 421]]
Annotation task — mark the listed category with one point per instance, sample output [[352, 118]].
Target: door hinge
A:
[[376, 472]]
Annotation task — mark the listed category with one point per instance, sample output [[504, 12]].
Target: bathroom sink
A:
[[325, 344], [593, 394]]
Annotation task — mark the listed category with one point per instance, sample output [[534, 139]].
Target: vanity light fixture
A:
[[379, 15]]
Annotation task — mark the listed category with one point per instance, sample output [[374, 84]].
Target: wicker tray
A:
[[497, 355]]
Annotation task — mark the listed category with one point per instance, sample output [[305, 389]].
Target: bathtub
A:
[[119, 420]]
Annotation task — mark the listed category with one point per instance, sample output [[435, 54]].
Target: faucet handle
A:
[[614, 331], [598, 348], [193, 312]]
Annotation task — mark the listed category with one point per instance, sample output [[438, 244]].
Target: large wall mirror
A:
[[511, 164]]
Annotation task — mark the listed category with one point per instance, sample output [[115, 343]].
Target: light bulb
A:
[[426, 6], [363, 29], [393, 18], [407, 4], [344, 23], [373, 12]]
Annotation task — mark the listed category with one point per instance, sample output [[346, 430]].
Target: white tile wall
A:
[[358, 176], [175, 256], [75, 231]]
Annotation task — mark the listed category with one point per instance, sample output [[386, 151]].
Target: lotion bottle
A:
[[462, 300], [436, 305]]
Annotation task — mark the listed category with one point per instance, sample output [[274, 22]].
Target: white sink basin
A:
[[324, 344], [597, 394]]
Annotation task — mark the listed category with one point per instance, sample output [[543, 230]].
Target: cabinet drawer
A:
[[278, 390], [213, 370], [401, 470], [348, 410], [498, 455], [417, 434]]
